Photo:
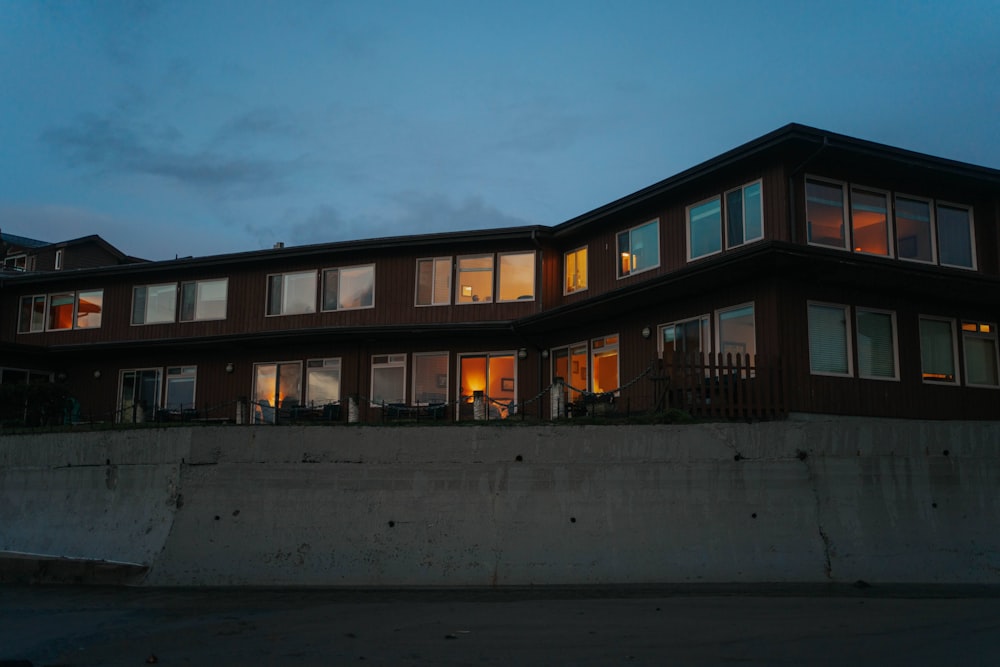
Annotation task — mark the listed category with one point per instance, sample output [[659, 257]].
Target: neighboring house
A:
[[857, 278], [22, 254]]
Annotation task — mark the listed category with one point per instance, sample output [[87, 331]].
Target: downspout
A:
[[792, 204]]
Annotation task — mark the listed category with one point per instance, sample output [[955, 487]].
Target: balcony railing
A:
[[739, 386]]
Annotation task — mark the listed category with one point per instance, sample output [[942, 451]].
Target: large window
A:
[[639, 249], [915, 230], [956, 242], [517, 276], [75, 310], [430, 378], [575, 270], [494, 374], [32, 314], [474, 282], [154, 304], [138, 395], [434, 281], [204, 300], [180, 388], [979, 342], [870, 222], [736, 331], [276, 386], [829, 339], [388, 378], [16, 262], [687, 337], [291, 293], [570, 364], [825, 214], [704, 228], [349, 288], [604, 362], [322, 381], [937, 350], [744, 215], [876, 341]]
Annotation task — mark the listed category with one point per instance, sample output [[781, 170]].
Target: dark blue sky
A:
[[200, 127]]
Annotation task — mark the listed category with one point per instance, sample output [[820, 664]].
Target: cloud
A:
[[111, 144]]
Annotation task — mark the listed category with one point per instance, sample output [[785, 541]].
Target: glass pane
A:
[[357, 287], [937, 352], [388, 384], [473, 376], [576, 270], [289, 384], [298, 293], [869, 222], [736, 331], [981, 360], [323, 383], [264, 392], [331, 286], [705, 228], [430, 378], [753, 212], [517, 277], [274, 295], [425, 282], [38, 314], [876, 345], [89, 308], [605, 370], [645, 242], [825, 214], [442, 281], [579, 370], [139, 305], [913, 230], [734, 218], [475, 279], [161, 303], [61, 311], [211, 299], [954, 236], [828, 339], [626, 264], [180, 393]]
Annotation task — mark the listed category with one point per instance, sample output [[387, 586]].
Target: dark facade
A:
[[859, 279]]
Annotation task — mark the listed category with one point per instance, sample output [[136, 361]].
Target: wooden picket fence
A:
[[739, 386]]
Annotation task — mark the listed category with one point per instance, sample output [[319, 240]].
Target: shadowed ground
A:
[[706, 625]]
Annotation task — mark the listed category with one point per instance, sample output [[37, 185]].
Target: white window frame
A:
[[186, 372], [499, 276], [895, 343], [11, 262], [618, 256], [339, 270], [434, 261], [458, 278], [145, 318], [705, 337], [20, 313], [282, 312], [972, 233], [932, 208], [743, 201], [844, 213], [687, 227], [990, 335], [197, 300], [889, 219], [394, 360], [955, 360], [321, 364], [848, 337], [586, 270], [58, 262]]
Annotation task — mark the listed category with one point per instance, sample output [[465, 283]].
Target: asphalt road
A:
[[81, 626]]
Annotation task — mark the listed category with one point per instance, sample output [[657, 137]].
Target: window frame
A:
[[848, 338], [268, 297], [586, 270], [932, 212], [145, 321], [320, 364], [621, 275], [340, 282], [980, 335], [955, 361], [743, 202], [971, 229], [182, 375], [890, 233], [434, 277], [602, 344], [393, 360], [499, 276], [58, 261], [75, 324], [447, 377], [458, 281], [197, 291], [844, 216], [895, 342], [687, 227], [44, 313], [704, 335]]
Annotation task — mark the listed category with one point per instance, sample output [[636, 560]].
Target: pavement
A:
[[664, 625]]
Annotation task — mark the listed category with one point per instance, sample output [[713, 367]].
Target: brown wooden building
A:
[[803, 272]]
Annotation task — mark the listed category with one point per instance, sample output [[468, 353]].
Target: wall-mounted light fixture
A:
[[545, 354], [60, 377], [229, 367], [522, 353], [97, 374], [646, 332]]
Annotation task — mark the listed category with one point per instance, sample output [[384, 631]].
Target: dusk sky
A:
[[205, 127]]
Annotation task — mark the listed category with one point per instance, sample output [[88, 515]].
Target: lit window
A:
[[639, 249], [430, 378], [204, 300], [829, 340], [517, 277], [322, 381], [979, 342], [575, 270], [876, 343], [434, 281], [276, 386], [870, 222], [388, 378], [956, 243], [32, 314], [704, 228], [937, 350], [349, 288], [153, 304], [570, 364], [291, 293], [494, 374], [744, 215], [825, 214], [914, 230], [75, 310], [474, 281], [604, 362]]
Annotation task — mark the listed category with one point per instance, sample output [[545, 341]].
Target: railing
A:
[[739, 386]]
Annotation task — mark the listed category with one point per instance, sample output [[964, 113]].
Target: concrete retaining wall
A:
[[796, 501]]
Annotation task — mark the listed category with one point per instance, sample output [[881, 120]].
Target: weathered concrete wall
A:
[[798, 501]]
